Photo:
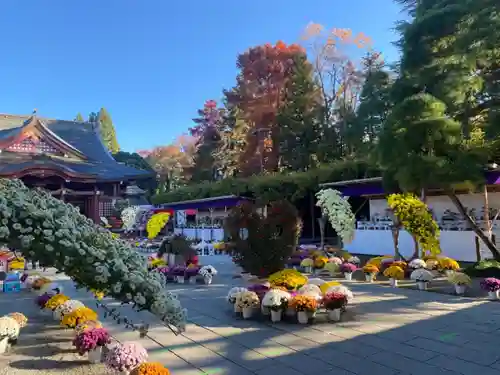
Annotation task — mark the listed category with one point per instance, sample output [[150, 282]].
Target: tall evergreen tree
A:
[[108, 133], [298, 119]]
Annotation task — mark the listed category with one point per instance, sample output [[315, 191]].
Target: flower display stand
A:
[[276, 315], [460, 289], [334, 315], [95, 356], [348, 276]]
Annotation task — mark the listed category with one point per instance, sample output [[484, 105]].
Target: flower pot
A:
[[275, 316], [493, 295], [308, 269], [4, 345], [370, 277], [237, 309], [394, 282], [207, 280], [303, 317], [94, 356], [290, 312], [247, 312], [460, 289], [334, 315], [180, 279], [422, 285], [348, 276], [265, 310]]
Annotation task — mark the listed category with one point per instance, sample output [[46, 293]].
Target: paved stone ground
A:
[[385, 331]]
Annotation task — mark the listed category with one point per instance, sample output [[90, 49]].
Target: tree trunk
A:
[[478, 231]]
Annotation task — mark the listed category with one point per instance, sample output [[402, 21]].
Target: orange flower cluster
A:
[[304, 303], [150, 368]]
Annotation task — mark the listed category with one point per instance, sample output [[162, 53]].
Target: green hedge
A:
[[267, 188]]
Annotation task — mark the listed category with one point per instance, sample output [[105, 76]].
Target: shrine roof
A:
[[85, 155]]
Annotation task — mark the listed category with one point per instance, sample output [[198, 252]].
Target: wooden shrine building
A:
[[67, 158]]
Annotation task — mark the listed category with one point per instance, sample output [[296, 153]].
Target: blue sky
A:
[[152, 63]]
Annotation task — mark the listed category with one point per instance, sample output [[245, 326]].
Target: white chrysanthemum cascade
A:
[[339, 213], [129, 217], [48, 230]]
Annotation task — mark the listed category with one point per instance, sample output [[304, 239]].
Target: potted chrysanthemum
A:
[[276, 300], [460, 280], [91, 342], [231, 297], [56, 301], [125, 357], [332, 268], [370, 271], [207, 273], [348, 269], [307, 264], [448, 265], [305, 306], [417, 263], [422, 277], [9, 331], [77, 316], [492, 286], [334, 303], [247, 301], [66, 308], [150, 368], [20, 318], [394, 273]]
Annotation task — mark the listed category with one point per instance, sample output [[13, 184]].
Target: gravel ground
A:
[[43, 347]]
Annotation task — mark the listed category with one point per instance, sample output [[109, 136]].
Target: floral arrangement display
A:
[[231, 296], [460, 281], [329, 284], [77, 316], [150, 368], [304, 303], [370, 269], [335, 260], [156, 223], [432, 264], [335, 300], [247, 299], [338, 210], [207, 272], [307, 263], [354, 260], [394, 272], [87, 325], [126, 356], [422, 275], [343, 290], [290, 279], [276, 300], [55, 233], [91, 339], [9, 328], [42, 300], [320, 262], [129, 217], [399, 263], [448, 264], [66, 308], [490, 284], [316, 281], [416, 219], [20, 318], [310, 290], [417, 263], [377, 261], [348, 269], [56, 301]]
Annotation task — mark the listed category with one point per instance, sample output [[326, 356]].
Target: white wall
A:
[[459, 245], [439, 204]]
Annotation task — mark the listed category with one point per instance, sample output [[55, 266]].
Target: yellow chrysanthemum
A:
[[290, 279], [87, 325], [156, 224], [56, 301], [324, 287], [377, 261], [394, 272], [448, 264], [74, 318]]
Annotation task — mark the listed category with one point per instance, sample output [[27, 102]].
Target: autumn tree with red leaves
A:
[[260, 93]]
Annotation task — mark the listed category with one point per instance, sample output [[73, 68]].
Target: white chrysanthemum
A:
[[343, 290], [275, 297], [309, 289], [354, 260], [417, 263], [231, 296], [338, 210], [207, 271], [9, 327], [316, 281], [421, 274]]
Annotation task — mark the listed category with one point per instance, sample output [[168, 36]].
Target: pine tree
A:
[[108, 133], [298, 119], [79, 117]]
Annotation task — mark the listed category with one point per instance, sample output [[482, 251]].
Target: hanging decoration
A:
[[156, 223]]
